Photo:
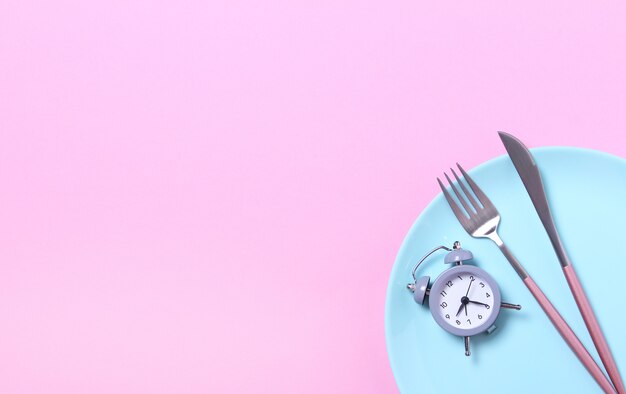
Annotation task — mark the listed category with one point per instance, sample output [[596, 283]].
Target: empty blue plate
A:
[[587, 193]]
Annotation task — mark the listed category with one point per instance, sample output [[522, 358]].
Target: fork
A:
[[483, 222]]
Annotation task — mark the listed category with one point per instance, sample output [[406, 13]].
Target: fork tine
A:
[[479, 193], [467, 193], [455, 208], [459, 196]]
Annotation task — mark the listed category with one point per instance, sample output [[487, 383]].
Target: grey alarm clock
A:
[[464, 299]]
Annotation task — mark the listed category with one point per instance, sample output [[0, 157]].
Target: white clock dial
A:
[[466, 301]]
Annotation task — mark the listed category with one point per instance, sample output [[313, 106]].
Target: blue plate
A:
[[587, 193]]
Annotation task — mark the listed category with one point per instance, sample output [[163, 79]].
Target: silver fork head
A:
[[478, 220]]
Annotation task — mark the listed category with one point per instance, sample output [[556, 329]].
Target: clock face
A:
[[465, 300]]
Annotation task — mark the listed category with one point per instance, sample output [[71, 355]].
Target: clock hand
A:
[[465, 309], [468, 287], [460, 308], [479, 303]]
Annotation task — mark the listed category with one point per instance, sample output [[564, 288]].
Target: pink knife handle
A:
[[594, 328], [569, 336]]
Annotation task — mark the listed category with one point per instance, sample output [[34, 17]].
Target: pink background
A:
[[208, 196]]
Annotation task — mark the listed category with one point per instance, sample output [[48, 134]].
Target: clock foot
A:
[[467, 346], [511, 306]]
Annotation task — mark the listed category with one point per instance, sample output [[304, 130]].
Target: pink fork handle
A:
[[569, 336], [594, 328]]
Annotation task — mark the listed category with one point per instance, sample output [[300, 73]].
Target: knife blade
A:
[[531, 178]]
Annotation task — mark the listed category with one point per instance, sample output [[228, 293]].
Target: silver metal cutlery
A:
[[481, 221]]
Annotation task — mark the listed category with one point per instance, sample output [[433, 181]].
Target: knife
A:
[[529, 173]]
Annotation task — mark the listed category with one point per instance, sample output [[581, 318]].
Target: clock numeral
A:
[[459, 276], [449, 283], [471, 277], [443, 293], [488, 295], [480, 316], [482, 284], [458, 323], [487, 306], [444, 304], [447, 316], [469, 321]]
